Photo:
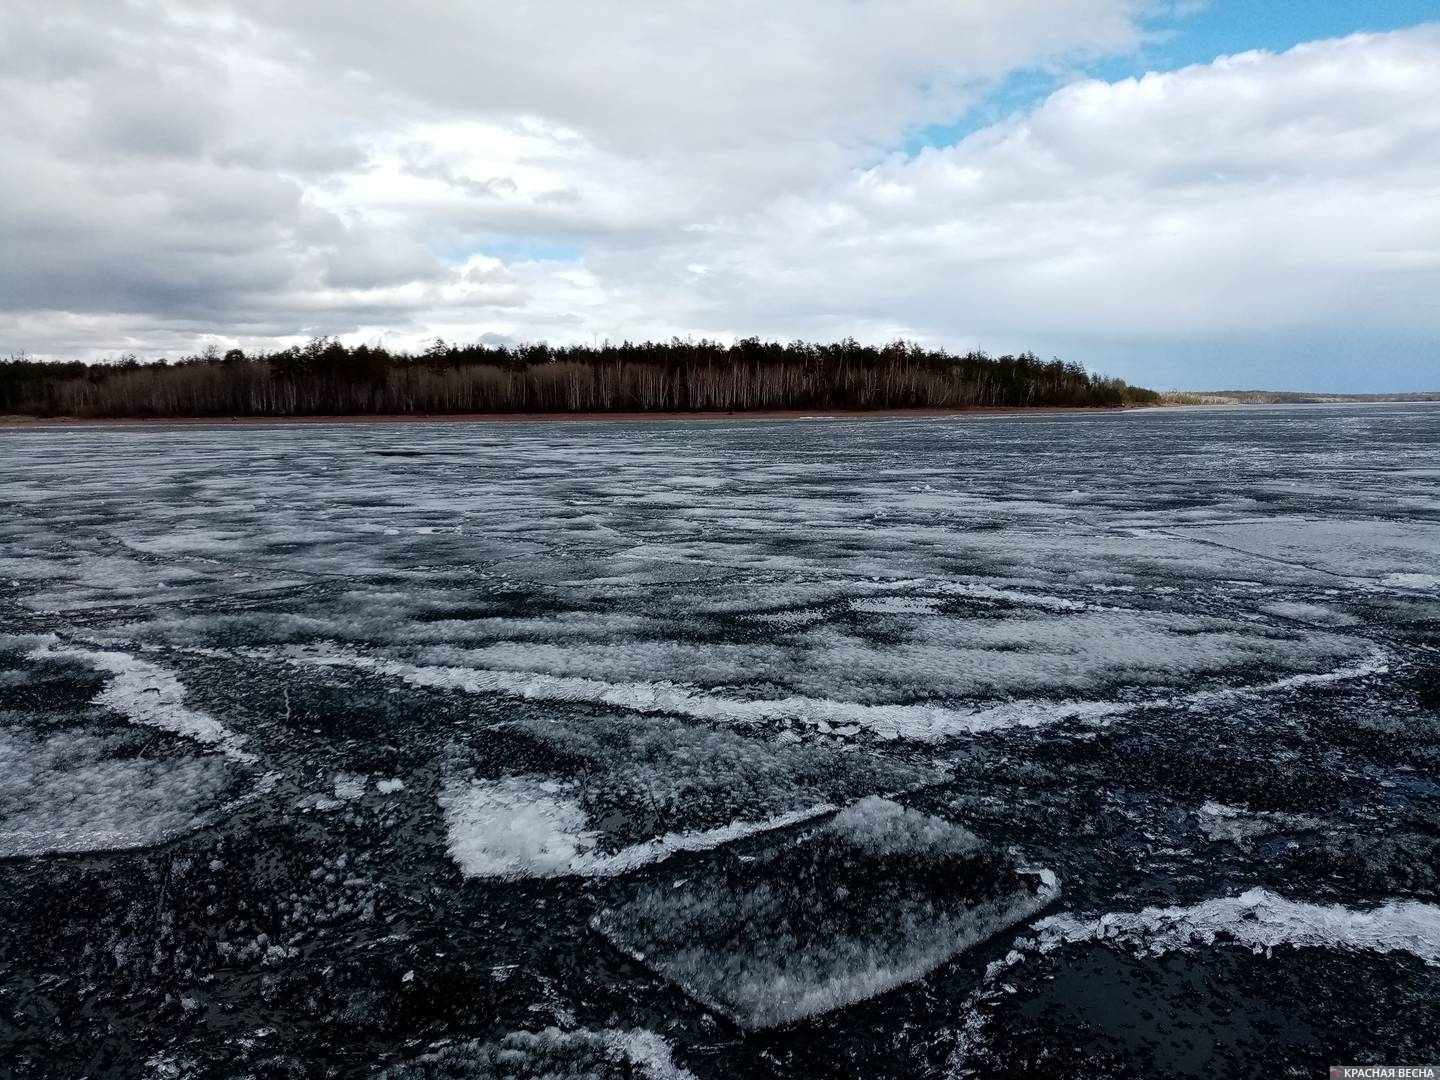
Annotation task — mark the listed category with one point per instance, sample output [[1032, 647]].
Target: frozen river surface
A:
[[1009, 746]]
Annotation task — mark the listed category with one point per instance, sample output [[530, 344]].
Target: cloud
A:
[[270, 171]]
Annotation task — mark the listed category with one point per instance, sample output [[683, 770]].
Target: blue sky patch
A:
[[1190, 36]]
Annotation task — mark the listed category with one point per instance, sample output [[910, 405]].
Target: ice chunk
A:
[[349, 787], [646, 775], [882, 827], [552, 1054], [1230, 823], [518, 826], [877, 897], [1258, 919]]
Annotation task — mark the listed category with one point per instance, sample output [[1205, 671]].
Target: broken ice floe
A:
[[550, 1054], [876, 897], [528, 826]]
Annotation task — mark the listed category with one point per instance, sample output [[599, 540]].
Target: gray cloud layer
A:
[[273, 170]]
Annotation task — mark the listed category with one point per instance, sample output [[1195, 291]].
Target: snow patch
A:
[[896, 605], [1314, 614]]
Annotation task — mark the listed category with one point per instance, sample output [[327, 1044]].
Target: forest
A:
[[328, 378]]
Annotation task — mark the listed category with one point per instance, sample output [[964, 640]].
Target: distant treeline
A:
[[328, 378]]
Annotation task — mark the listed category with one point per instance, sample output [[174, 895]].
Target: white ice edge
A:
[[147, 694], [1259, 920], [914, 723], [662, 847]]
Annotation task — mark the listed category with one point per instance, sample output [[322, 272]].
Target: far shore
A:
[[14, 421]]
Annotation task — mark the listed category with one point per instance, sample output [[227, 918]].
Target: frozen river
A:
[[999, 746]]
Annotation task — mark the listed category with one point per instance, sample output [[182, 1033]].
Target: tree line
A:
[[326, 377]]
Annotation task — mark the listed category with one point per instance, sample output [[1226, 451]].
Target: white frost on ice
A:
[[514, 827], [529, 826], [147, 694], [1413, 581], [389, 787], [982, 591]]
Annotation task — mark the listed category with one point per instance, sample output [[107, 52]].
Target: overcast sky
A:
[[1192, 196]]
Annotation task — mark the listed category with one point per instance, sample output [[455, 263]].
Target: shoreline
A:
[[18, 421]]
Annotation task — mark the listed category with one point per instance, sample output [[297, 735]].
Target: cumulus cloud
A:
[[269, 171]]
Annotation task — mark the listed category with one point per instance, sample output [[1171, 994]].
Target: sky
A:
[[1230, 194]]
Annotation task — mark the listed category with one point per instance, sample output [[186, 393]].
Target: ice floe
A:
[[876, 897]]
